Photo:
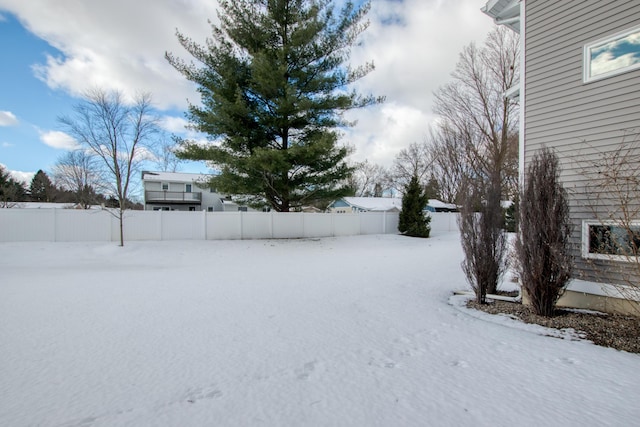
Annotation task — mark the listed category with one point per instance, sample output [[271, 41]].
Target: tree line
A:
[[42, 189]]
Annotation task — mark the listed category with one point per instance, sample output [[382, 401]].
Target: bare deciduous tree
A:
[[118, 134], [369, 180], [475, 113], [480, 123], [450, 163], [166, 159], [413, 161], [78, 172]]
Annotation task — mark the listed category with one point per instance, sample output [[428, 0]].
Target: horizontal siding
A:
[[579, 121], [566, 21], [559, 101]]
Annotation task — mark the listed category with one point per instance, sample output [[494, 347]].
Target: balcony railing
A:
[[172, 197]]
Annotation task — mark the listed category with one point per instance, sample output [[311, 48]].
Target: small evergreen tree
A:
[[510, 216], [41, 188], [432, 188], [413, 221], [542, 246]]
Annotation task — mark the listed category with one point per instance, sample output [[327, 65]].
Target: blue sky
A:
[[26, 103], [53, 51]]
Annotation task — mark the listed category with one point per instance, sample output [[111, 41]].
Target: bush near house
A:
[[542, 245]]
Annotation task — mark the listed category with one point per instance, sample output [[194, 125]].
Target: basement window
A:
[[613, 55], [610, 240]]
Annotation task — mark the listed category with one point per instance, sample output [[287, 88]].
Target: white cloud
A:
[[7, 145], [117, 44], [121, 44], [143, 154], [7, 118], [59, 140], [173, 124], [415, 45], [23, 177], [381, 132]]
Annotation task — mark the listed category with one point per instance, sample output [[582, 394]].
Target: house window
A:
[[187, 188], [610, 240], [613, 55], [242, 209], [192, 208], [210, 209], [165, 186]]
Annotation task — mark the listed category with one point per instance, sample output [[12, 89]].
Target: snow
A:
[[174, 176], [353, 331]]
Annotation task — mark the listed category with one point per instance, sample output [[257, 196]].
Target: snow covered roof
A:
[[174, 176], [437, 204], [379, 204], [45, 205], [382, 204]]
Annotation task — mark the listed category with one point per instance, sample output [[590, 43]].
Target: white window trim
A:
[[587, 77], [585, 241], [162, 184]]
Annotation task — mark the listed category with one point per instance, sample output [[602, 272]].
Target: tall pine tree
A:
[[413, 221], [273, 83], [41, 188]]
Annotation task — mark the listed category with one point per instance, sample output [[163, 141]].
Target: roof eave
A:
[[504, 13]]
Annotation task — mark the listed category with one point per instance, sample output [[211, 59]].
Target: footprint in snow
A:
[[210, 392], [304, 372]]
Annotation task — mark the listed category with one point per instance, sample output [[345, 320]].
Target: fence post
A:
[[204, 224], [384, 222], [271, 224], [333, 225], [55, 224]]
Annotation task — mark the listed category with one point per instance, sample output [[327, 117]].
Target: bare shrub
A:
[[542, 245], [483, 241]]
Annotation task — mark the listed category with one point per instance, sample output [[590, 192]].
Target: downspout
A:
[[523, 95]]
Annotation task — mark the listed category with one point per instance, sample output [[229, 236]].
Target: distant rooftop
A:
[[174, 176], [390, 203], [375, 203]]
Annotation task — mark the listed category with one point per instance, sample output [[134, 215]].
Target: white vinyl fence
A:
[[67, 225]]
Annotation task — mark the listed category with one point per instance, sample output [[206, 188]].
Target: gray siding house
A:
[[175, 191], [580, 95]]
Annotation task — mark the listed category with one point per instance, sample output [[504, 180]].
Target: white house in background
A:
[[176, 191], [382, 204]]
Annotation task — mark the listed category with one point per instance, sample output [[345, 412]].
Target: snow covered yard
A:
[[354, 331]]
